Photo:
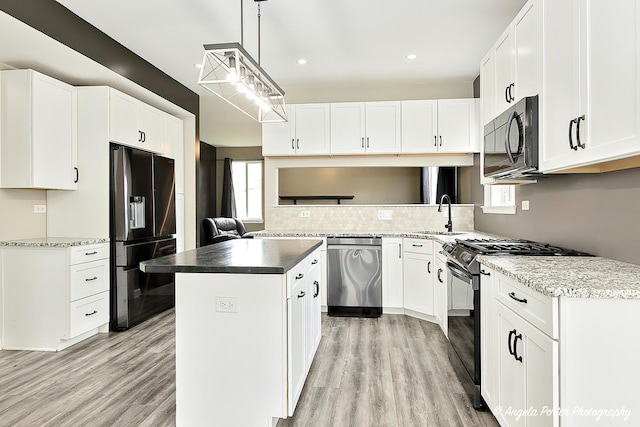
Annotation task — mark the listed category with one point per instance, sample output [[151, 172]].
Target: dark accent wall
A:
[[595, 213], [207, 185], [59, 23]]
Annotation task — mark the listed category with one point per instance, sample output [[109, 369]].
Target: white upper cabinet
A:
[[510, 71], [306, 132], [365, 127], [134, 123], [173, 143], [445, 126], [38, 131], [591, 89], [420, 126]]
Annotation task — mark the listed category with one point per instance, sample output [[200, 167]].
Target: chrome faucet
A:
[[449, 224]]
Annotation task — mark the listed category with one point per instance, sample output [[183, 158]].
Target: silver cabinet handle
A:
[[363, 142], [367, 142], [440, 140], [399, 251]]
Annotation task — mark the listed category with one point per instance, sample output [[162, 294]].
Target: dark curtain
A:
[[424, 185], [447, 184], [228, 208]]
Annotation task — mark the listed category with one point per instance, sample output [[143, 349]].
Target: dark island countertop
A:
[[239, 256]]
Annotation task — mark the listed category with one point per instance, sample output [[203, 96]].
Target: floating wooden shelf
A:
[[296, 198]]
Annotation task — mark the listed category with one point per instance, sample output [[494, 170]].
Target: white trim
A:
[[499, 209]]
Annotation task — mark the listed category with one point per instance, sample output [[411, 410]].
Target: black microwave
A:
[[511, 142]]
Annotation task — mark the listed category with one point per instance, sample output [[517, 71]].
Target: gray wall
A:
[[595, 213]]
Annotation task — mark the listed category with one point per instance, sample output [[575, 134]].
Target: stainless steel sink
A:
[[441, 233]]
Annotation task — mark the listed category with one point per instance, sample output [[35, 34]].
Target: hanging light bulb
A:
[[232, 77]]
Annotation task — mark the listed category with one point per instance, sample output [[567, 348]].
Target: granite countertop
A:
[[54, 242], [431, 235], [576, 277], [239, 256]]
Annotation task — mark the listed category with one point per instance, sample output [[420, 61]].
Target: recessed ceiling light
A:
[[197, 65], [302, 61], [412, 56]]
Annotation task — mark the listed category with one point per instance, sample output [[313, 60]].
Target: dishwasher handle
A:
[[354, 247]]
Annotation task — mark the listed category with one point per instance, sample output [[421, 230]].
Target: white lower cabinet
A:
[[297, 333], [418, 274], [303, 323], [528, 376], [392, 277], [441, 289], [54, 296]]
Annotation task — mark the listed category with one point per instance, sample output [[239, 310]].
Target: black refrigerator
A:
[[142, 227]]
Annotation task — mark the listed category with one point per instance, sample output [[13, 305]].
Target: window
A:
[[247, 187], [499, 199]]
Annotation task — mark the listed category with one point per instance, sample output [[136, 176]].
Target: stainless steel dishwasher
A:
[[354, 280]]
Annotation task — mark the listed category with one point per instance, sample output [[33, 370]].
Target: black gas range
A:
[[464, 325]]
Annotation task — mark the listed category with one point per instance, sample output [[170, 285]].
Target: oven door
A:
[[464, 318]]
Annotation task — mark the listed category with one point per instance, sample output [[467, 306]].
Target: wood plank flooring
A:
[[391, 371]]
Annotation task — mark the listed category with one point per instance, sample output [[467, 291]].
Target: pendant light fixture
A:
[[232, 74]]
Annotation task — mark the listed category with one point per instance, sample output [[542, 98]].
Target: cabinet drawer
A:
[[88, 313], [88, 278], [418, 246], [89, 253], [539, 310], [313, 260]]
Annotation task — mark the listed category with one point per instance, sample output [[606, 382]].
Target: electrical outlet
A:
[[305, 214], [227, 304], [525, 205], [385, 215], [39, 209]]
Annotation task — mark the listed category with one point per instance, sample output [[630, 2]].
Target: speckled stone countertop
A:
[[431, 235], [237, 256], [575, 277], [54, 242]]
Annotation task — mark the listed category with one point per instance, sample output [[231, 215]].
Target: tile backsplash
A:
[[365, 218]]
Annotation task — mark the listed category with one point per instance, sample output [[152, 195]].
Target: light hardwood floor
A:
[[391, 371]]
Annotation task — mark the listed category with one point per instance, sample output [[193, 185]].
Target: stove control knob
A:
[[467, 257]]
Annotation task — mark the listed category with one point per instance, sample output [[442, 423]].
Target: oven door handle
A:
[[459, 273]]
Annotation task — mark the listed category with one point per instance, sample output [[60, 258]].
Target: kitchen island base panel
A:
[[599, 350], [230, 366]]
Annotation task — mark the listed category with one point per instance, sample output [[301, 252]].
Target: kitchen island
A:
[[247, 328]]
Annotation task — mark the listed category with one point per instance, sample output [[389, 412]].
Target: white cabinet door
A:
[[440, 293], [150, 128], [38, 130], [382, 127], [392, 292], [296, 328], [123, 119], [173, 136], [591, 89], [419, 126], [278, 139], [456, 125], [528, 375], [504, 71], [312, 131], [489, 373], [418, 282], [487, 88], [526, 54], [348, 128]]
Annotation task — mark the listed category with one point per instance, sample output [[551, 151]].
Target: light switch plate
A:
[[385, 215], [525, 205], [227, 304], [305, 214], [38, 209]]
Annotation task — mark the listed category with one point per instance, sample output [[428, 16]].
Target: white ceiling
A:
[[344, 41]]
